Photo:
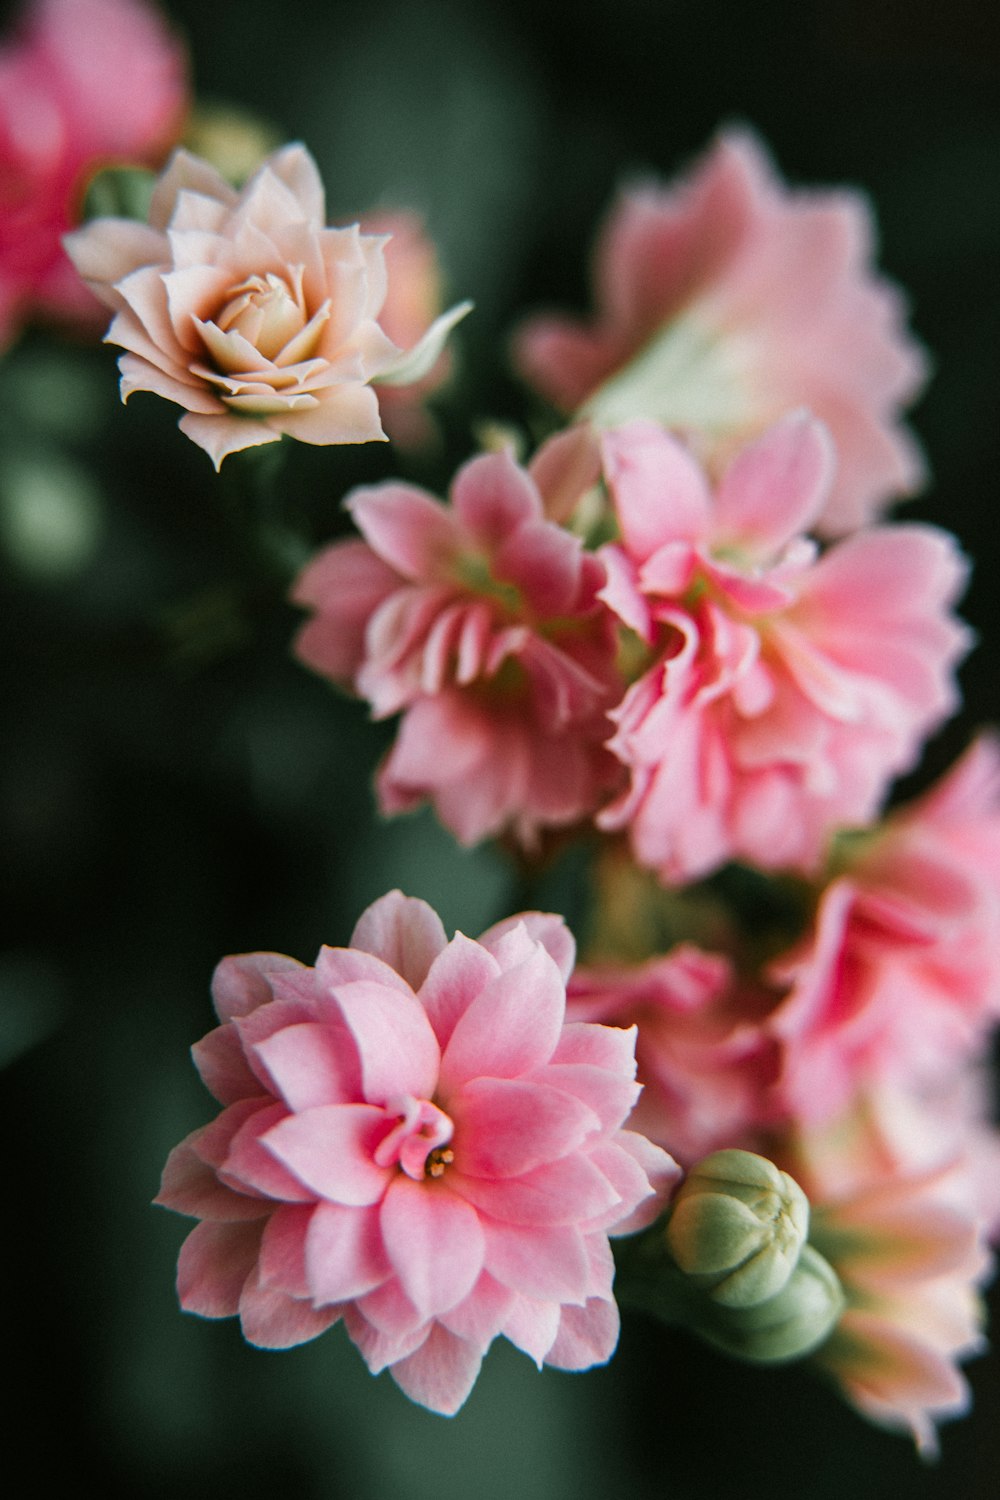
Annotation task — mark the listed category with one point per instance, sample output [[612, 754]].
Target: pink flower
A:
[[705, 1062], [899, 978], [480, 622], [413, 1140], [724, 301], [243, 308], [85, 83], [786, 688], [908, 1248], [412, 302]]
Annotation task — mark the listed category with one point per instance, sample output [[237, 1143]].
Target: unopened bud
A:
[[737, 1227], [786, 1327]]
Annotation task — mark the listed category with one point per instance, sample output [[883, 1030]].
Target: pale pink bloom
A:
[[84, 84], [413, 1140], [246, 310], [786, 687], [705, 1062], [908, 1246], [725, 300], [899, 977], [413, 300], [479, 621]]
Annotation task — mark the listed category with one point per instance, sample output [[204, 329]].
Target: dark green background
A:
[[175, 788]]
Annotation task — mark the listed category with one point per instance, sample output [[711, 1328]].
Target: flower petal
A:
[[434, 1241]]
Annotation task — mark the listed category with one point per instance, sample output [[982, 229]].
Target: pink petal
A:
[[220, 1060], [399, 1051], [249, 1163], [311, 1064], [610, 1096], [214, 1263], [513, 1025], [541, 1261], [344, 1254], [570, 1191], [543, 927], [587, 1336], [330, 1149], [775, 488], [483, 1314], [434, 1241], [659, 491], [532, 1327], [441, 1373], [282, 1261], [456, 977], [505, 1127], [564, 468], [243, 982], [491, 496], [190, 1186], [406, 527], [404, 932], [271, 1319]]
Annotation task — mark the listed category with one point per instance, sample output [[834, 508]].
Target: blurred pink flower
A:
[[83, 85], [412, 302], [786, 687], [724, 301], [899, 978], [246, 310], [909, 1249], [705, 1062], [479, 621], [413, 1140]]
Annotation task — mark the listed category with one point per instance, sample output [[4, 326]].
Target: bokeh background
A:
[[174, 787]]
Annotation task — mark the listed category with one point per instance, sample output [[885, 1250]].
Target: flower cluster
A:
[[684, 630]]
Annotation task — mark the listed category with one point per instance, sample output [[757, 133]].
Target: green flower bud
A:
[[787, 1326], [737, 1227]]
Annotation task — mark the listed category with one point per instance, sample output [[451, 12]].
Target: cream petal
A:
[[145, 294], [274, 402], [196, 210], [220, 436], [231, 351], [128, 333], [197, 247], [295, 167], [419, 360], [186, 171], [303, 343], [193, 293], [139, 375], [107, 250], [347, 414]]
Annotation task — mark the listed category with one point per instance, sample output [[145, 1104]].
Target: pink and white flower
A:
[[908, 1246], [247, 311], [480, 621], [786, 687], [705, 1061], [727, 299], [84, 84], [413, 1140], [899, 977]]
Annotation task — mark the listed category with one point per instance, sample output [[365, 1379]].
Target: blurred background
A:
[[174, 787]]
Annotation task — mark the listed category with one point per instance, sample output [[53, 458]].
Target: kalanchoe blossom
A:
[[787, 688], [414, 1141], [908, 1247], [84, 84], [899, 978], [246, 310], [724, 301], [705, 1060], [480, 622]]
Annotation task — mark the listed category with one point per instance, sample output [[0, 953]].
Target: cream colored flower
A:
[[245, 309]]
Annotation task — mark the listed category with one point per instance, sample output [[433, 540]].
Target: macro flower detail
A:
[[246, 310], [83, 84], [480, 622], [727, 299], [413, 1140], [786, 687], [899, 977]]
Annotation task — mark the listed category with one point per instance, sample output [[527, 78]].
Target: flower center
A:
[[418, 1143], [268, 311]]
